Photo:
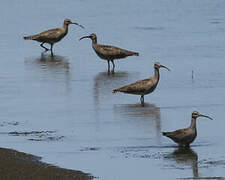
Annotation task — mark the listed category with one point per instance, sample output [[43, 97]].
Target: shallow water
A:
[[62, 107]]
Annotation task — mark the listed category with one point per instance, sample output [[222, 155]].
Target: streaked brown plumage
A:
[[109, 53], [184, 137], [52, 36], [145, 86]]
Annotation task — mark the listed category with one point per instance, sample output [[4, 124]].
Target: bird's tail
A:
[[115, 91], [131, 53], [135, 54], [30, 37], [164, 133]]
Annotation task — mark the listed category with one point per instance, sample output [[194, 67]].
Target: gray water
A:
[[63, 109]]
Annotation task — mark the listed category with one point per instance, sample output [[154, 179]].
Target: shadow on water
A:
[[104, 83], [136, 111], [149, 28], [48, 62], [103, 87]]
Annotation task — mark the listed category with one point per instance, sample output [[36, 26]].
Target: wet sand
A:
[[19, 165]]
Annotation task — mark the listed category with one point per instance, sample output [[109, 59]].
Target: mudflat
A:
[[22, 166]]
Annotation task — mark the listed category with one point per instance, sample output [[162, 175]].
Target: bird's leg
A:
[[181, 145], [187, 146], [42, 45], [113, 66], [142, 100], [108, 67], [51, 50]]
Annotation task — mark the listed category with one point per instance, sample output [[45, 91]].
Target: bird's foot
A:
[[110, 72]]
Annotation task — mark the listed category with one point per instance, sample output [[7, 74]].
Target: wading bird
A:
[[184, 137], [145, 86], [109, 53], [52, 36]]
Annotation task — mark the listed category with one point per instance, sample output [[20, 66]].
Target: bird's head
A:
[[196, 114], [92, 36], [157, 65], [68, 21]]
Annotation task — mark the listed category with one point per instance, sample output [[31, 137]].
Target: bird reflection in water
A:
[[104, 83], [50, 62], [187, 157], [55, 61], [102, 89], [46, 67]]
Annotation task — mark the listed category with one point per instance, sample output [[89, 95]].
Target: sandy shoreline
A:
[[22, 166]]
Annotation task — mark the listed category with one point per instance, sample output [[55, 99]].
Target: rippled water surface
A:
[[62, 107]]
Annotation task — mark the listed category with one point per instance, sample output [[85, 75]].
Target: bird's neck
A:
[[156, 74], [94, 41], [193, 123], [65, 28]]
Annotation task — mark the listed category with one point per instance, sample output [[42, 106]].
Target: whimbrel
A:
[[184, 137], [52, 36], [145, 86], [109, 53]]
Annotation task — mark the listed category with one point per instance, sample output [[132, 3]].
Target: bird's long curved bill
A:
[[206, 116], [78, 25], [84, 37], [165, 67]]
